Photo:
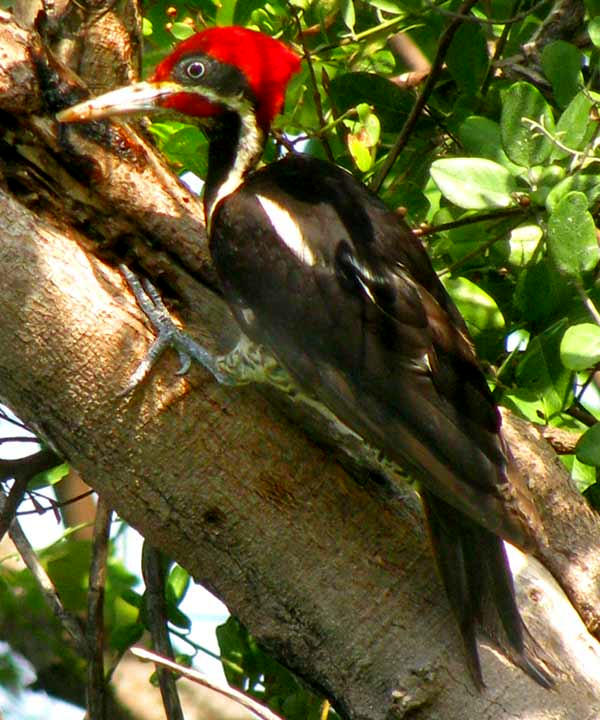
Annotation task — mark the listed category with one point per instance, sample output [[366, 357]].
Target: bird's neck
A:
[[236, 144]]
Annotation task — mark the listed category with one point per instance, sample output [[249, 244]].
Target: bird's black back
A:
[[369, 329]]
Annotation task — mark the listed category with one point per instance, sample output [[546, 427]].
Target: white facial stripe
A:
[[287, 229], [249, 149]]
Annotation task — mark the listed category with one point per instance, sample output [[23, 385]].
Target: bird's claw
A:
[[168, 335]]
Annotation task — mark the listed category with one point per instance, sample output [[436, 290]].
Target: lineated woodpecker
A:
[[337, 287]]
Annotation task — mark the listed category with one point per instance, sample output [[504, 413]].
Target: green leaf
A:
[[474, 183], [480, 137], [146, 27], [131, 597], [348, 14], [561, 63], [524, 402], [178, 618], [225, 12], [523, 242], [48, 477], [178, 583], [467, 58], [588, 184], [542, 371], [124, 636], [523, 146], [594, 31], [572, 236], [584, 476], [387, 6], [580, 346], [476, 306], [369, 123], [587, 449], [540, 291], [184, 145], [390, 103], [574, 127], [182, 31], [360, 152]]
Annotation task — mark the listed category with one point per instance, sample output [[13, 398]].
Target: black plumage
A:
[[367, 328]]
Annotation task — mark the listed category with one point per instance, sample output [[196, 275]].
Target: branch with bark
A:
[[327, 565]]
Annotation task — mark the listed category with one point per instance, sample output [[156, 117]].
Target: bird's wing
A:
[[345, 296]]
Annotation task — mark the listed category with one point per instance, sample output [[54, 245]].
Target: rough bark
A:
[[332, 574]]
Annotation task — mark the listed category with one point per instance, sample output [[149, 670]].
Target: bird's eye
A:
[[195, 70]]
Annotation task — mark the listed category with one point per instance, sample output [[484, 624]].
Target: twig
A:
[[359, 37], [563, 441], [96, 684], [491, 21], [199, 648], [153, 570], [499, 49], [542, 130], [55, 505], [69, 621], [22, 471], [11, 503], [469, 256], [589, 303], [469, 220], [584, 416], [423, 96], [313, 79], [260, 711]]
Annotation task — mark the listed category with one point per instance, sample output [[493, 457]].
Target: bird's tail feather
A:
[[474, 568]]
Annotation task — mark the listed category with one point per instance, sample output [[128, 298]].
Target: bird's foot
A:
[[168, 335]]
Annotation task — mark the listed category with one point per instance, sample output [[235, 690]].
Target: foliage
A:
[[248, 667]]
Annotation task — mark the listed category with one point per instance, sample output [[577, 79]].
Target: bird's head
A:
[[217, 69]]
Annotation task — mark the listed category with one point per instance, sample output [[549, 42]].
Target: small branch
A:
[[12, 502], [589, 303], [359, 37], [421, 100], [22, 471], [260, 711], [499, 50], [69, 621], [313, 79], [469, 220], [55, 505], [199, 648], [491, 21], [153, 570], [563, 441], [469, 256], [96, 683], [584, 416], [29, 466]]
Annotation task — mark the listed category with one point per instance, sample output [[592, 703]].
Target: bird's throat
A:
[[236, 144]]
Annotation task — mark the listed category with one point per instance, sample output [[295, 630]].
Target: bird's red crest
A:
[[268, 64]]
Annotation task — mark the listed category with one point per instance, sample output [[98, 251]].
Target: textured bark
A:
[[333, 575]]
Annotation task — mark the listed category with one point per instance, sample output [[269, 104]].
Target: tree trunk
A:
[[331, 574]]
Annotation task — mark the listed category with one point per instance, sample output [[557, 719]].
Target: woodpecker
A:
[[317, 270]]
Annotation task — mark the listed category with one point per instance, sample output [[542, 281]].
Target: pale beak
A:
[[126, 100]]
